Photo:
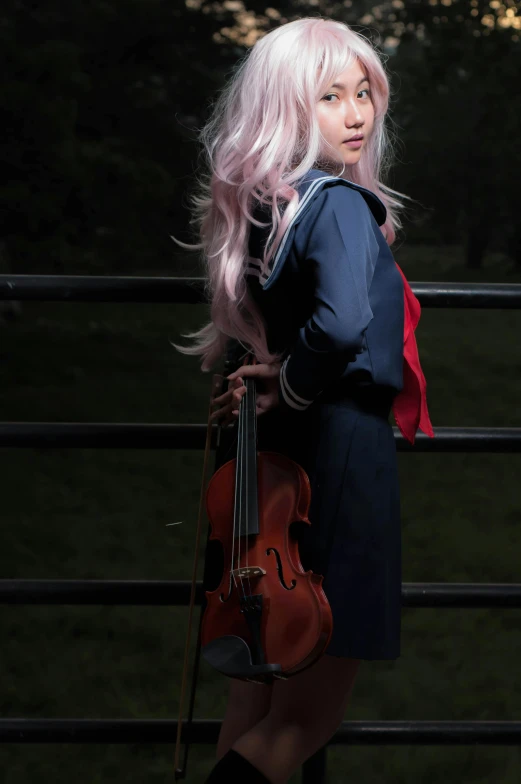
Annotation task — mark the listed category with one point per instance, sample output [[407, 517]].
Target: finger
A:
[[233, 387], [224, 398], [245, 370], [231, 395], [238, 394], [230, 400], [235, 383], [229, 408], [255, 370], [221, 414]]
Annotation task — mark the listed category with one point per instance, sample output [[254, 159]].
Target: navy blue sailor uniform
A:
[[332, 300], [334, 277]]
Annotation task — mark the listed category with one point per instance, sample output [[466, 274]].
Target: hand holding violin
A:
[[267, 396]]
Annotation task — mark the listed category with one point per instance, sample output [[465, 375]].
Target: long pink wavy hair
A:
[[262, 136]]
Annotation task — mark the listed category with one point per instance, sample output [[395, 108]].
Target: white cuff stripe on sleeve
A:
[[290, 391], [290, 397]]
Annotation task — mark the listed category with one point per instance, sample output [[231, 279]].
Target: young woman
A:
[[295, 225]]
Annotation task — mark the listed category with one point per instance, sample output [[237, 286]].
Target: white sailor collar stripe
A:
[[316, 183]]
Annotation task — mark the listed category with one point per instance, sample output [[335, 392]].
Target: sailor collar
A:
[[309, 187]]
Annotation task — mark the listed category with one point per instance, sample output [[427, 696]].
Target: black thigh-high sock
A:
[[233, 768]]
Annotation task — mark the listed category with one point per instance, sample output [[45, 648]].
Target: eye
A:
[[334, 95]]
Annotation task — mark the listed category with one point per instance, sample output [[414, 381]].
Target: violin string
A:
[[243, 403], [240, 479], [253, 453], [248, 396], [255, 458], [236, 510]]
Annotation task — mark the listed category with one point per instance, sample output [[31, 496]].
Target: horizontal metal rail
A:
[[361, 733], [78, 288], [110, 288], [135, 435], [177, 593]]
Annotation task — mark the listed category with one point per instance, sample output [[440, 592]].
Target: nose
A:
[[353, 114]]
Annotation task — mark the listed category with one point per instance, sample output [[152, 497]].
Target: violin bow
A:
[[180, 773]]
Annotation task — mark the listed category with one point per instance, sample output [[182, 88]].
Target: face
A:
[[346, 110]]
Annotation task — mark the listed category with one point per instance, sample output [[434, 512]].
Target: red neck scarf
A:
[[410, 405]]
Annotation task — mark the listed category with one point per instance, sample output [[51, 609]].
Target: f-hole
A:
[[279, 570]]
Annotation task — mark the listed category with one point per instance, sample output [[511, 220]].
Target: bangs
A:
[[336, 54]]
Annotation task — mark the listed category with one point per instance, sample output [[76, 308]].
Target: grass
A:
[[102, 514]]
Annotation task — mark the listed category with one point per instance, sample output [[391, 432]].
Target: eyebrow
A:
[[342, 86]]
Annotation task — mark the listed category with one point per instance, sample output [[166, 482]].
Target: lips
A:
[[358, 137]]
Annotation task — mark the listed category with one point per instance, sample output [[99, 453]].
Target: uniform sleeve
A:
[[340, 246]]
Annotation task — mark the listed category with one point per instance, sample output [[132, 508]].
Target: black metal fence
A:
[[176, 436]]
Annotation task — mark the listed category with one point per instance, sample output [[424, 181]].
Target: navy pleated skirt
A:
[[345, 443]]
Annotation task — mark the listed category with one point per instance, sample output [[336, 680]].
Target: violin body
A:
[[268, 618]]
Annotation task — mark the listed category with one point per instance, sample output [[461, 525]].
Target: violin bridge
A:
[[249, 571]]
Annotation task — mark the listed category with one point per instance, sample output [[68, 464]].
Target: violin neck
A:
[[246, 511]]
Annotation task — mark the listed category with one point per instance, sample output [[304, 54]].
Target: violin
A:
[[268, 617]]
